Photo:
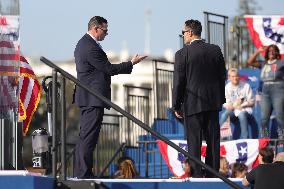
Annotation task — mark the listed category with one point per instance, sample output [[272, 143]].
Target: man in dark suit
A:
[[95, 71], [199, 89]]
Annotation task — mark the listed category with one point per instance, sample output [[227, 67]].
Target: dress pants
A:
[[207, 124], [90, 126]]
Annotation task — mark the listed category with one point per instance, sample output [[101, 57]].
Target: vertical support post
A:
[[157, 101], [54, 118], [225, 27], [2, 143], [239, 34], [63, 128], [128, 140], [208, 28], [146, 160], [161, 164]]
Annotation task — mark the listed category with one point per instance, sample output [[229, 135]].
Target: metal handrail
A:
[[138, 122], [205, 12]]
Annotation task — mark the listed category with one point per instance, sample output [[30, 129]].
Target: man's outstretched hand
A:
[[137, 58]]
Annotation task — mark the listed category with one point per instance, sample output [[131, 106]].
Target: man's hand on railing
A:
[[179, 114]]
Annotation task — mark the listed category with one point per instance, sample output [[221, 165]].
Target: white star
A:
[[269, 34], [243, 150], [266, 23]]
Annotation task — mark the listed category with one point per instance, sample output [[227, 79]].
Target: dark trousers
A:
[[90, 126], [206, 124]]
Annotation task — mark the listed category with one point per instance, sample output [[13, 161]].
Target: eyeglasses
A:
[[104, 30], [183, 32]]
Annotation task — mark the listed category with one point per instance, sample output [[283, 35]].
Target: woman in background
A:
[[224, 167], [126, 170], [272, 77]]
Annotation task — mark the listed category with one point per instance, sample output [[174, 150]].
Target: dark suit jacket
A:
[[95, 71], [199, 78]]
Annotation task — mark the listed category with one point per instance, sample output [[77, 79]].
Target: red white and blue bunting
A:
[[266, 30], [243, 150]]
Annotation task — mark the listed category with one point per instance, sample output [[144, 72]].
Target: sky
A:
[[52, 28]]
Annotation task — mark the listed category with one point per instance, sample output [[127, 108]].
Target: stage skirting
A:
[[196, 183], [24, 180]]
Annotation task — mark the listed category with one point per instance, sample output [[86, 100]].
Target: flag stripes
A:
[[29, 88]]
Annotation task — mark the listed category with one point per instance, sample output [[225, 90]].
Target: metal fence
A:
[[10, 140], [163, 85], [216, 31], [154, 166], [242, 44], [109, 140], [138, 103]]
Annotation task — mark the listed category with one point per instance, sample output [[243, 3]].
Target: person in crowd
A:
[[199, 89], [279, 157], [93, 70], [265, 155], [239, 102], [239, 170], [126, 169], [272, 77], [187, 170], [224, 167], [269, 175]]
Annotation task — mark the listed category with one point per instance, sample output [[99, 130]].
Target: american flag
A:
[[9, 72], [225, 130], [18, 80], [29, 93]]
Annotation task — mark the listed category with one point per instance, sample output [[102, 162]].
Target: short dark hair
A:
[[275, 47], [238, 167], [267, 154], [195, 26], [96, 21]]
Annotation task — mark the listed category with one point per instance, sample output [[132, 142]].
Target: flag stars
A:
[[243, 151], [275, 38], [266, 23]]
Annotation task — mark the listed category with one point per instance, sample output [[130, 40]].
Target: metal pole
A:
[[2, 145], [54, 118], [63, 128], [205, 26], [128, 141], [157, 88], [225, 27], [146, 161]]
